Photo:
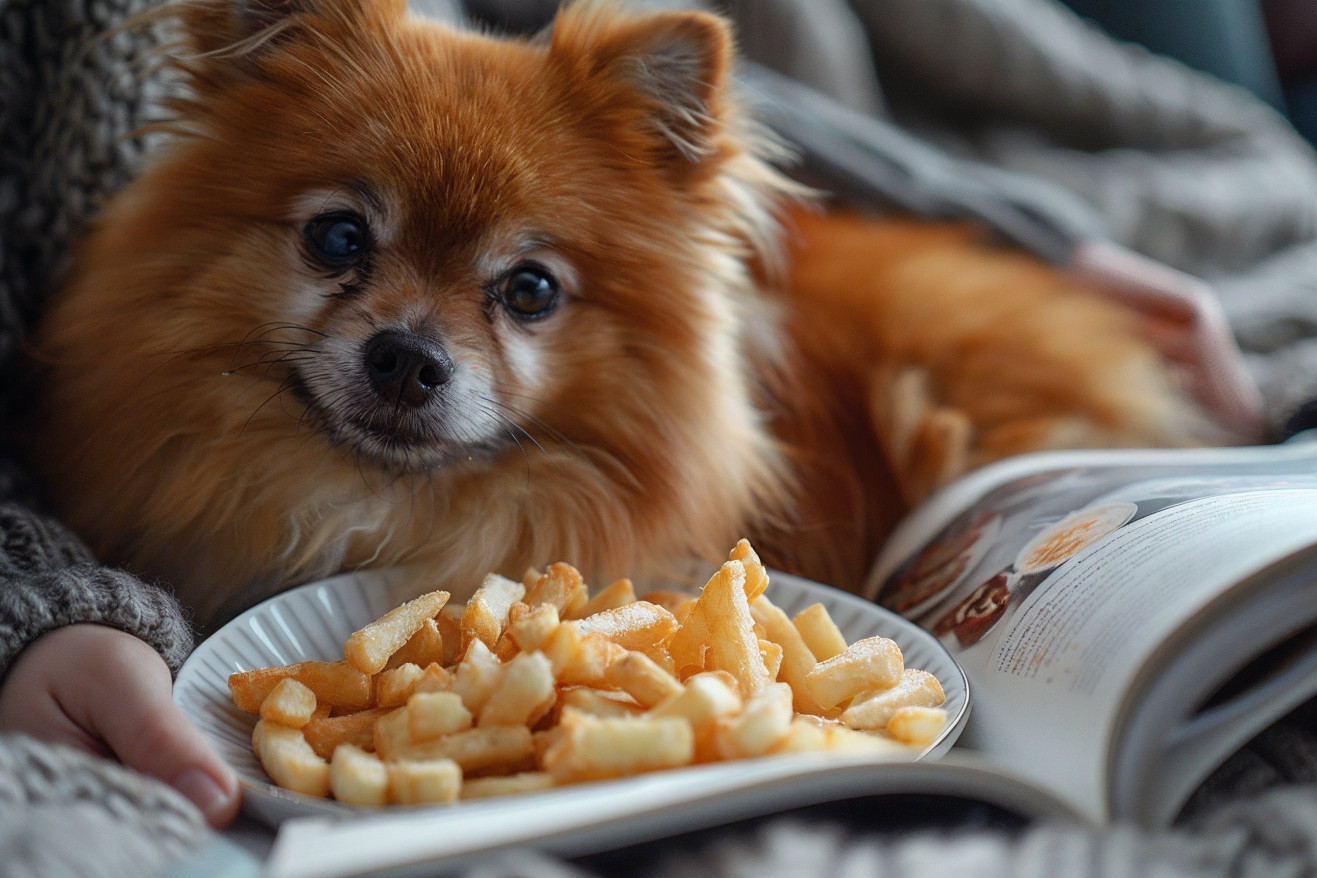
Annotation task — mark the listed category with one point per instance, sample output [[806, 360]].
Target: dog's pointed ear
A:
[[677, 63], [224, 30]]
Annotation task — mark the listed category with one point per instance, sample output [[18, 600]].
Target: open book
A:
[[1126, 619]]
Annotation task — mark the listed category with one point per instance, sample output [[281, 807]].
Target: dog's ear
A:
[[676, 63], [234, 32]]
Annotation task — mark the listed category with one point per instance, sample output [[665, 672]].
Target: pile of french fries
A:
[[535, 684]]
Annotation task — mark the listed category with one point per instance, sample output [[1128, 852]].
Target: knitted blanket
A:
[[1022, 116]]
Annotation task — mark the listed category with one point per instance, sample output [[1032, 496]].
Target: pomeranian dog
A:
[[399, 295]]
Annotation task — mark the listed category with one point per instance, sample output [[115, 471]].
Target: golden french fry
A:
[[642, 678], [733, 646], [357, 777], [797, 659], [771, 653], [600, 702], [289, 760], [638, 626], [393, 686], [873, 709], [819, 632], [289, 703], [334, 683], [760, 726], [477, 676], [530, 577], [487, 612], [391, 734], [449, 623], [369, 648], [916, 725], [523, 782], [526, 691], [488, 749], [435, 714], [756, 577], [425, 647], [704, 698], [562, 587], [358, 729], [530, 631], [589, 748], [580, 659], [434, 679], [424, 782], [865, 665], [619, 594]]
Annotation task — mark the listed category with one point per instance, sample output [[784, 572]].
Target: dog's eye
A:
[[529, 292], [337, 239]]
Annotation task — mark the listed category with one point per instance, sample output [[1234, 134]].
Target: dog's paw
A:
[[928, 444]]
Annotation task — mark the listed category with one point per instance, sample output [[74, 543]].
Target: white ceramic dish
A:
[[313, 621]]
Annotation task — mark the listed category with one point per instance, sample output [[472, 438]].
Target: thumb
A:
[[139, 721]]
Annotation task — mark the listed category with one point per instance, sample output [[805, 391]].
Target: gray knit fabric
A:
[[63, 812]]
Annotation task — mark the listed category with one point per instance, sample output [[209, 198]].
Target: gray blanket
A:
[[1010, 111]]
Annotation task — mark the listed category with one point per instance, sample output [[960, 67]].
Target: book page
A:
[[1055, 586]]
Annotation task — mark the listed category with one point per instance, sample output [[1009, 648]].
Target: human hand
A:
[[1183, 319], [106, 692]]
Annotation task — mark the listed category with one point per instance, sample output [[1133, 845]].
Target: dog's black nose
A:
[[405, 368]]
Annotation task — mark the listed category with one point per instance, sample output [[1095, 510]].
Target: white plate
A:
[[313, 621]]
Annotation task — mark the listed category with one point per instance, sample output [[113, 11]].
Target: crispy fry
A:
[[819, 632], [642, 678], [638, 626], [530, 631], [450, 632], [733, 646], [600, 702], [425, 647], [289, 760], [369, 648], [916, 725], [797, 659], [392, 733], [771, 653], [873, 709], [589, 748], [424, 782], [759, 727], [435, 714], [289, 703], [334, 683], [619, 594], [393, 686], [487, 612], [756, 577], [562, 587], [526, 691], [358, 729], [703, 699], [487, 749], [357, 777], [865, 665], [477, 676]]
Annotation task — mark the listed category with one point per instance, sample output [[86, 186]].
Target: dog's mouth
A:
[[403, 406]]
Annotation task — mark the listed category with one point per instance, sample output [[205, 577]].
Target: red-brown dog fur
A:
[[688, 389]]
